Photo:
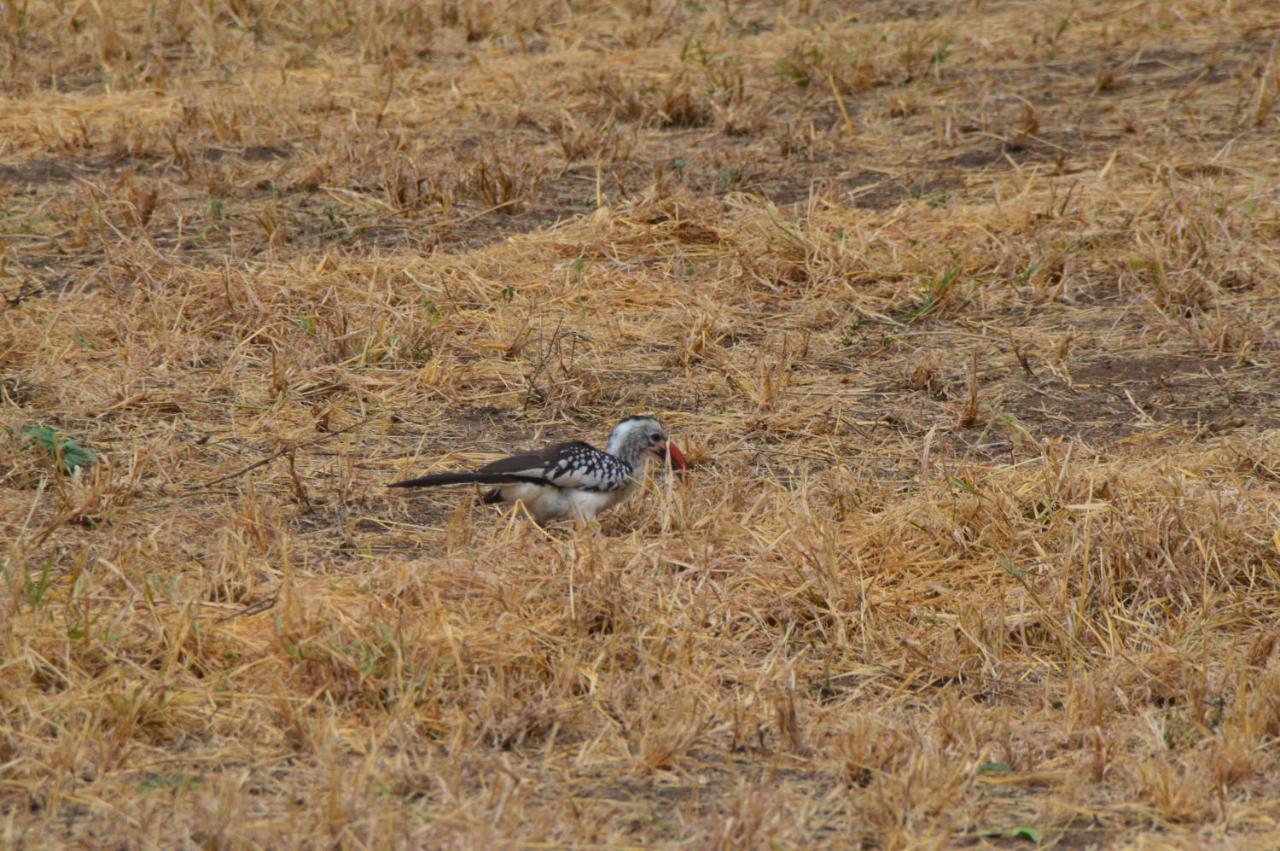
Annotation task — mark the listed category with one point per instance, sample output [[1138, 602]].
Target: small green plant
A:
[[35, 587], [995, 768], [940, 55], [1025, 274], [1022, 831], [935, 293], [166, 782], [433, 312], [795, 71], [64, 451]]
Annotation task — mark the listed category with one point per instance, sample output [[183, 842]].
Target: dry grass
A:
[[967, 311]]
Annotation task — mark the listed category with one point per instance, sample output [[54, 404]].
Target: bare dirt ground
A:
[[966, 313]]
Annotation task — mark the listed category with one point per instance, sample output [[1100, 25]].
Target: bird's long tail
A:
[[439, 479]]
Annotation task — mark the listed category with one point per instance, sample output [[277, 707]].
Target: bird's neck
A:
[[628, 453]]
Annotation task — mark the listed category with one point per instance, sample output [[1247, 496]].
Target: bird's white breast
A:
[[547, 503], [542, 502]]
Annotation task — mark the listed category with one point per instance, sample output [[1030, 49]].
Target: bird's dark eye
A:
[[655, 437]]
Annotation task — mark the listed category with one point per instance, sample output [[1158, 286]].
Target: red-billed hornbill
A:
[[570, 480]]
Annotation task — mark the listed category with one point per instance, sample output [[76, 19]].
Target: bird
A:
[[570, 481]]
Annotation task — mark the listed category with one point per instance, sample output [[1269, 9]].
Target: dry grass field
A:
[[964, 312]]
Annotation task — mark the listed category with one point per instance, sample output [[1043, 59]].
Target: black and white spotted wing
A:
[[575, 466]]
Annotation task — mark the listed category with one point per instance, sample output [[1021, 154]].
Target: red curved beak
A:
[[676, 456]]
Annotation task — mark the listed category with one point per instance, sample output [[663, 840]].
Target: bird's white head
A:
[[636, 440]]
